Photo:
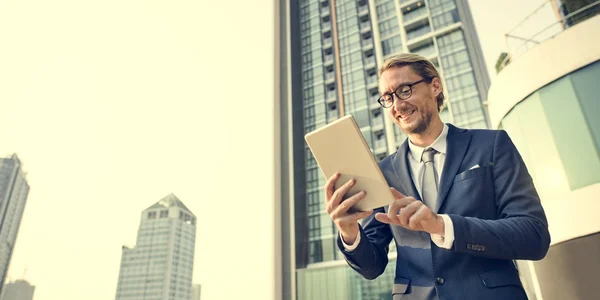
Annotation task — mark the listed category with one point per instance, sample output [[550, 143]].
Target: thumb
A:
[[397, 194]]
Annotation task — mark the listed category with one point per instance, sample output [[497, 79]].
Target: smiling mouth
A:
[[406, 113]]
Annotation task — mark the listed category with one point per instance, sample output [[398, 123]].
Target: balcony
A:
[[331, 97], [333, 115], [365, 27], [407, 3], [373, 104], [367, 44], [363, 11], [411, 35], [328, 60], [416, 19], [330, 78], [426, 50], [327, 43], [365, 31], [326, 27], [370, 63], [376, 110], [325, 12], [377, 122], [379, 145], [373, 89], [414, 14], [372, 81]]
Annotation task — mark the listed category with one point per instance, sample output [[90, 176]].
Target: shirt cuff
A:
[[445, 241], [353, 246]]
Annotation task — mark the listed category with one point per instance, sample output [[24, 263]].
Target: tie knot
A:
[[428, 155]]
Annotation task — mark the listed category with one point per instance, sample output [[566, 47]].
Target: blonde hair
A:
[[419, 65]]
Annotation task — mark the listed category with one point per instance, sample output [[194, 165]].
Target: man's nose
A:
[[398, 103]]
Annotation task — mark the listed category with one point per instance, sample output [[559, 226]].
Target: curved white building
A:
[[548, 101]]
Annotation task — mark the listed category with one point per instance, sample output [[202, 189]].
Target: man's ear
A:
[[436, 85]]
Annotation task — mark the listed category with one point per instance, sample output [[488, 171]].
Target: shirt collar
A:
[[439, 145]]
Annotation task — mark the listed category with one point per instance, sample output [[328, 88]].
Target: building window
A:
[[585, 82], [425, 50], [562, 100], [421, 31], [443, 13], [313, 177], [385, 9], [414, 14], [391, 45], [164, 213], [451, 42], [152, 215], [456, 62], [556, 165], [388, 27]]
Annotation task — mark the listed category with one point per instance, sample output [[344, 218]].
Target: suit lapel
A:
[[402, 171], [458, 142]]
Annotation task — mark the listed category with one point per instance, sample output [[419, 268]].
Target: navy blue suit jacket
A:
[[497, 218]]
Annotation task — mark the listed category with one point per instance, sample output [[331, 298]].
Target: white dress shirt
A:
[[417, 171]]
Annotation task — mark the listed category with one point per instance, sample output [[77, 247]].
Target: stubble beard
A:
[[421, 125]]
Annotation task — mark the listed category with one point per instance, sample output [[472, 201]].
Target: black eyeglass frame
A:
[[408, 92]]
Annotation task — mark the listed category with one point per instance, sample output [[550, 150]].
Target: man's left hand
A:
[[412, 214]]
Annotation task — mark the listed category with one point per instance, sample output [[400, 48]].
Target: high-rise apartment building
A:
[[196, 291], [14, 190], [18, 290], [160, 266], [334, 49]]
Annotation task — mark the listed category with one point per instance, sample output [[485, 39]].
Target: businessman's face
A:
[[413, 114]]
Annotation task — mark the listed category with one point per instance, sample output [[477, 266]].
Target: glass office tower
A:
[[335, 49]]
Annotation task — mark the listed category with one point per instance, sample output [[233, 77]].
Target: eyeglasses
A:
[[403, 92]]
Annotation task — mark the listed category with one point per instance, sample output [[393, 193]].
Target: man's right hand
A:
[[346, 223]]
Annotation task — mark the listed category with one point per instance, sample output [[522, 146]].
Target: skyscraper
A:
[[160, 266], [196, 288], [335, 50], [14, 190], [18, 290]]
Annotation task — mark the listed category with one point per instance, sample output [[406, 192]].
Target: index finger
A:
[[399, 204], [396, 193], [329, 186]]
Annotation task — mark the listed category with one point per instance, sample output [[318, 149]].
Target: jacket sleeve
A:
[[370, 256], [521, 231]]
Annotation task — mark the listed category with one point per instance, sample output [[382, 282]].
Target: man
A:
[[465, 206]]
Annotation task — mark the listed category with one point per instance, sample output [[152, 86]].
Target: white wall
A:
[[548, 61], [574, 48]]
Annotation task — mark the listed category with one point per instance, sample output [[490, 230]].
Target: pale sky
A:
[[112, 105]]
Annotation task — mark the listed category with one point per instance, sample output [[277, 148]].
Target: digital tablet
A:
[[340, 147]]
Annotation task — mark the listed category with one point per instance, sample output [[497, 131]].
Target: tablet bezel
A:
[[364, 168]]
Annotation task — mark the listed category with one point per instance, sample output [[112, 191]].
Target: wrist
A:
[[349, 234], [440, 226]]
